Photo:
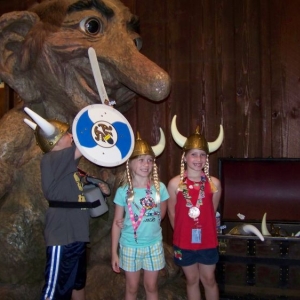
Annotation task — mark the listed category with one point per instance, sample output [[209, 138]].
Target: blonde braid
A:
[[182, 169], [206, 172], [130, 195], [156, 182]]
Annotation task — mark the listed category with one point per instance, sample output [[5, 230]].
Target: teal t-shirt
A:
[[149, 231]]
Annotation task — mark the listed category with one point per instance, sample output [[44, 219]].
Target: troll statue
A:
[[44, 59]]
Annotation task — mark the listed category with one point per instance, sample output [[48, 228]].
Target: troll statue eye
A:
[[138, 43], [91, 26]]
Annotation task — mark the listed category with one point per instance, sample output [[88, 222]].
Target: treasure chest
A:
[[253, 190]]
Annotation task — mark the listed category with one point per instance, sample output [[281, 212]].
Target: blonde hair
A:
[[126, 179], [182, 168], [206, 172]]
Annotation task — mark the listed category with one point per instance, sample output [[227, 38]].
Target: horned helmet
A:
[[47, 133], [196, 141], [141, 147]]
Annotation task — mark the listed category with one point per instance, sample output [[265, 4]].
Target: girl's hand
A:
[[115, 263], [120, 223], [104, 188]]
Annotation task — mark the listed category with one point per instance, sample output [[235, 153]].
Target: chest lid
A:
[[254, 186]]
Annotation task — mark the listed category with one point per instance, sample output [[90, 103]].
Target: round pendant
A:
[[194, 212]]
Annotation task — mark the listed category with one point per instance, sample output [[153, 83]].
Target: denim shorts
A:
[[184, 258]]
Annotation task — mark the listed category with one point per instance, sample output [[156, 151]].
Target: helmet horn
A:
[[47, 133], [45, 126], [31, 124], [178, 138], [159, 148], [248, 228], [264, 228], [213, 146]]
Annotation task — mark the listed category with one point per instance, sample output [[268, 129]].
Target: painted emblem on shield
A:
[[103, 135]]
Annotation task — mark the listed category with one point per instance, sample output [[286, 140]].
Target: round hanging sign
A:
[[103, 135]]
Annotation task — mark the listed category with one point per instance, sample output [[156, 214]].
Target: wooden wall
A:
[[232, 62], [235, 63]]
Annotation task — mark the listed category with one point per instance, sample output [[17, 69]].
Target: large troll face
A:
[[44, 55]]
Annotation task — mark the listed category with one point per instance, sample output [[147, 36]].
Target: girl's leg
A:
[[192, 282], [132, 284], [207, 277], [150, 284]]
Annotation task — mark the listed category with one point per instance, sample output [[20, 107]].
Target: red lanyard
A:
[[137, 223]]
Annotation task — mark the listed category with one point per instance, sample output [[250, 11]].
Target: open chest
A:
[[249, 268]]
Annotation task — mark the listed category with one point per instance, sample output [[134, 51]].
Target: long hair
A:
[[206, 171], [126, 179]]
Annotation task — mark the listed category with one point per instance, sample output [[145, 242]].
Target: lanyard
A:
[[194, 210], [137, 223]]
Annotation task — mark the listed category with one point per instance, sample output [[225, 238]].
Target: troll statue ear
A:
[[14, 27]]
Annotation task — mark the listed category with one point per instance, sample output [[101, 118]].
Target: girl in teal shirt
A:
[[143, 198]]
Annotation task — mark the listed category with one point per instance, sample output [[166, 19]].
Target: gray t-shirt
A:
[[60, 182]]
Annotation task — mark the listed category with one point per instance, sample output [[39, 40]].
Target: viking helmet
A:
[[196, 140], [141, 147], [47, 133]]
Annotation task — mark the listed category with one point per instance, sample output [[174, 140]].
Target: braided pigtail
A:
[[182, 172], [130, 193], [156, 182], [182, 167], [206, 172]]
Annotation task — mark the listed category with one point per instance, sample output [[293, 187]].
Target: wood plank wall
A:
[[232, 62]]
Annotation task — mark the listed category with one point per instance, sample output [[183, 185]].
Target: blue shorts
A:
[[150, 258], [184, 258], [65, 271]]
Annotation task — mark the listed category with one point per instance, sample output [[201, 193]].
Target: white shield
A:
[[103, 135]]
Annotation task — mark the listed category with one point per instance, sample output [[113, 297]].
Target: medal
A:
[[194, 212]]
